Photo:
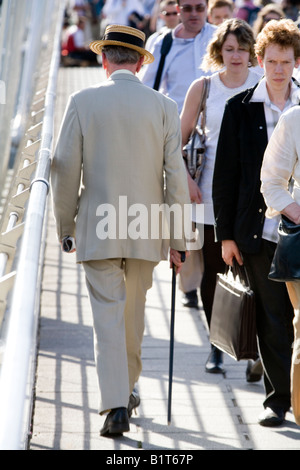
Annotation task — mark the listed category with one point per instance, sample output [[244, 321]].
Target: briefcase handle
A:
[[240, 272]]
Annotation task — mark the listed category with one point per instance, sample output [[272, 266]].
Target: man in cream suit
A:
[[118, 159]]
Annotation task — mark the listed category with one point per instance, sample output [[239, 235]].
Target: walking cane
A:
[[172, 325]]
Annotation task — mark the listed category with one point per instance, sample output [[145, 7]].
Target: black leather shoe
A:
[[190, 299], [271, 418], [214, 363], [117, 422], [134, 402], [254, 371]]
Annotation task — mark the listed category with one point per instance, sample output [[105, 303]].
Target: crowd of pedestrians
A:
[[154, 16], [250, 51]]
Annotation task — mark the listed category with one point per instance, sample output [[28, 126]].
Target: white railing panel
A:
[[19, 349]]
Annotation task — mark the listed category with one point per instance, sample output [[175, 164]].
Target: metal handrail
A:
[[17, 370], [25, 29]]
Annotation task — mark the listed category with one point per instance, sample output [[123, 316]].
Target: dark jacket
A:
[[238, 203]]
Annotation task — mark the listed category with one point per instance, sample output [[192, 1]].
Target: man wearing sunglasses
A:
[[182, 65], [169, 14], [163, 20]]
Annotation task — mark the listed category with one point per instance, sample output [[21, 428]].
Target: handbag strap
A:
[[202, 105]]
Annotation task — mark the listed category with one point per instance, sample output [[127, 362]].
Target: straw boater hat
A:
[[119, 35]]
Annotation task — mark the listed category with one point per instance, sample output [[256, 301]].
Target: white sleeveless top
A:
[[218, 95]]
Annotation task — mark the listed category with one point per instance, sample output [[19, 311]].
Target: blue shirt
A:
[[182, 65]]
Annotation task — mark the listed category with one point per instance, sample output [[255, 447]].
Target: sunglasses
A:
[[200, 8], [171, 13]]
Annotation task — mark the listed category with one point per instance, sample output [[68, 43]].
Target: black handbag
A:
[[233, 320], [286, 261], [194, 150]]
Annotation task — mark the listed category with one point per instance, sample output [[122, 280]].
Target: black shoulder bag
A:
[[165, 48]]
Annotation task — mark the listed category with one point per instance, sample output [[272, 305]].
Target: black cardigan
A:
[[239, 206]]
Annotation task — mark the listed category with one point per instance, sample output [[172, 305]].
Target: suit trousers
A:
[[117, 290], [274, 318], [294, 293]]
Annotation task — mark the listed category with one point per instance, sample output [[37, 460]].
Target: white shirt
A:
[[79, 38], [118, 11], [182, 65], [281, 162]]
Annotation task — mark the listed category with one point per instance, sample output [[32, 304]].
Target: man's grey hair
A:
[[121, 55]]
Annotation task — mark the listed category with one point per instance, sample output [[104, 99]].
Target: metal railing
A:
[[23, 32], [29, 203]]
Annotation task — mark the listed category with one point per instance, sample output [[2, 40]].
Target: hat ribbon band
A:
[[123, 37]]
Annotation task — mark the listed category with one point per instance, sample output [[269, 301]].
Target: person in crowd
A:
[[182, 67], [272, 11], [280, 164], [74, 45], [240, 223], [159, 20], [291, 9], [168, 15], [120, 12], [82, 9], [138, 132], [190, 39], [231, 56], [95, 17], [248, 11], [219, 10]]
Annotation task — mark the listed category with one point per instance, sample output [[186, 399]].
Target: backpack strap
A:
[[164, 50]]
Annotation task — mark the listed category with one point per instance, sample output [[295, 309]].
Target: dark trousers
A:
[[213, 264], [274, 326]]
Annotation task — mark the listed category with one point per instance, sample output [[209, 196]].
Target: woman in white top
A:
[[281, 162], [231, 55]]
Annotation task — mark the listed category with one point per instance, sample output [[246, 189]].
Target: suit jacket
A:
[[116, 143], [239, 206]]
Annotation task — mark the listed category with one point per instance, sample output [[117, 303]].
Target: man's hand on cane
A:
[[177, 258]]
